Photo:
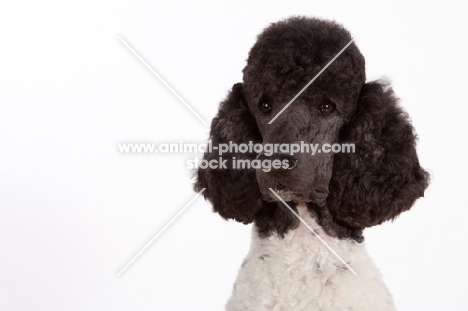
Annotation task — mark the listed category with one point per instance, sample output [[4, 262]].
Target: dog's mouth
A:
[[289, 195], [308, 182]]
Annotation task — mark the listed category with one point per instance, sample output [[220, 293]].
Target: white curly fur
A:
[[298, 272]]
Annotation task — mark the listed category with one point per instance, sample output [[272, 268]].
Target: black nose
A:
[[289, 159], [320, 192]]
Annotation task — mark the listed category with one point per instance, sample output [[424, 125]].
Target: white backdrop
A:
[[73, 211]]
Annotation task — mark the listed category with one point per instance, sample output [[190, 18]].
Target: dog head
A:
[[346, 192]]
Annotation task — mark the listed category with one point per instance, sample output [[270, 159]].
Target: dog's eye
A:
[[265, 107], [265, 104], [326, 108]]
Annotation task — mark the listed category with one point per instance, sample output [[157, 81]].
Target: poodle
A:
[[337, 194]]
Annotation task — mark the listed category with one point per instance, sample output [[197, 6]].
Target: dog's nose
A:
[[286, 159]]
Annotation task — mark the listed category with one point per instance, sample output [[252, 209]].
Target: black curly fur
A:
[[382, 178], [375, 184], [234, 193]]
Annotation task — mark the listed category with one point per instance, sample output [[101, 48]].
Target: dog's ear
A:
[[383, 177], [234, 193]]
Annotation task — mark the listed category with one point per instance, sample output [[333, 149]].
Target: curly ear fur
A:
[[234, 193], [383, 177]]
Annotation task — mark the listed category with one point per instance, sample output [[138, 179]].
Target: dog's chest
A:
[[298, 272]]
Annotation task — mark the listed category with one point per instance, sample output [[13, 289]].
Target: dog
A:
[[337, 195]]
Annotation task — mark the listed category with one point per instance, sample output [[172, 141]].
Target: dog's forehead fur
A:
[[288, 54]]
